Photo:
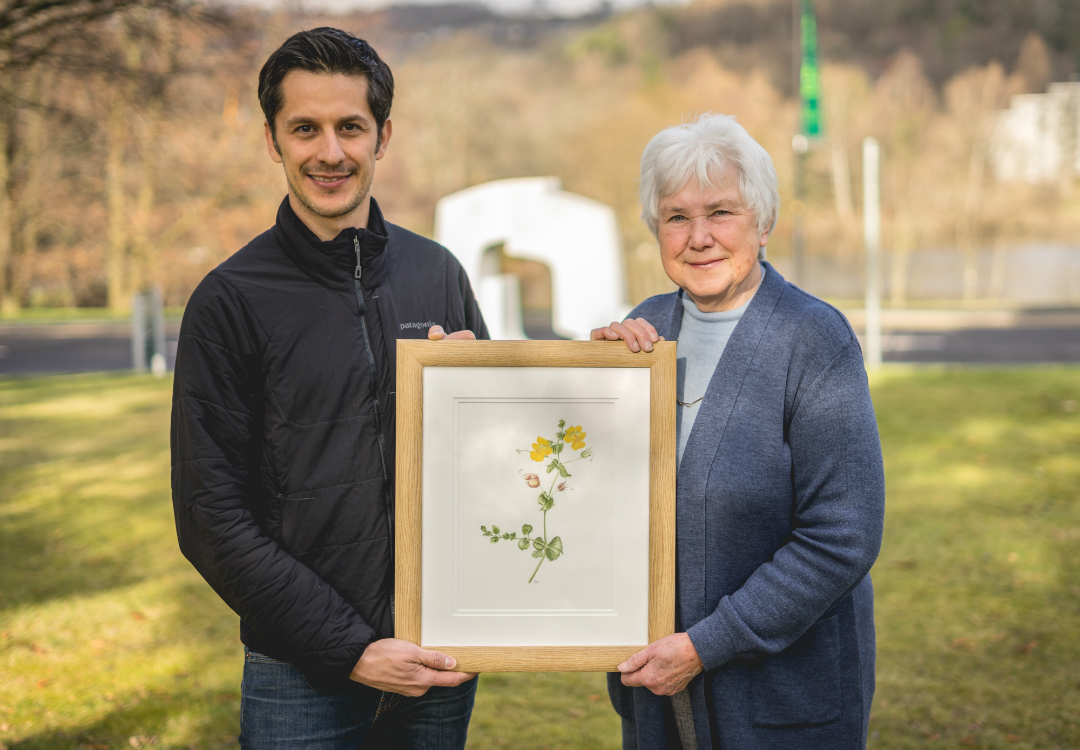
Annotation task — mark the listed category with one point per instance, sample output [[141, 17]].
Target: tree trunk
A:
[[7, 303], [997, 270], [901, 256], [141, 259], [117, 205], [29, 203], [841, 177]]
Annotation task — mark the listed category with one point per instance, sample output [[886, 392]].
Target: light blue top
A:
[[702, 340]]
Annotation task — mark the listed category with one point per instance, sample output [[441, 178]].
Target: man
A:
[[283, 422]]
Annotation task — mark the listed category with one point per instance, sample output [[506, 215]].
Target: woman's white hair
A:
[[702, 150]]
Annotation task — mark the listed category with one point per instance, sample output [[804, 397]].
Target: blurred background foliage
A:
[[131, 146]]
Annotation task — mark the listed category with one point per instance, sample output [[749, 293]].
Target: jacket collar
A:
[[707, 433], [333, 263]]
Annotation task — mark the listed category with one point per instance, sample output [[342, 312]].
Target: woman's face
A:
[[709, 243]]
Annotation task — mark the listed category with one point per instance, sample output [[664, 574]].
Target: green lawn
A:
[[108, 639]]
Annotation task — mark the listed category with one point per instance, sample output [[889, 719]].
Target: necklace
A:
[[684, 403]]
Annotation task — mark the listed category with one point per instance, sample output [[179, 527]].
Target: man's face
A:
[[327, 137], [709, 243]]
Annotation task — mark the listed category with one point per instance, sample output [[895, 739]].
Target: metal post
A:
[[872, 236], [139, 360], [158, 364]]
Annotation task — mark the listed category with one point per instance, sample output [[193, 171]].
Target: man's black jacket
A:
[[283, 429]]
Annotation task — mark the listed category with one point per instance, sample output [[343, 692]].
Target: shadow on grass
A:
[[39, 567], [978, 600], [205, 719], [72, 508]]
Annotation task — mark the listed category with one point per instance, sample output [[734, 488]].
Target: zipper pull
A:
[[356, 244]]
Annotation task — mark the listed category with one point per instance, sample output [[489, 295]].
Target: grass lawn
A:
[[108, 638]]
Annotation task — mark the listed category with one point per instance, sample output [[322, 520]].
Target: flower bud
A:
[[531, 479]]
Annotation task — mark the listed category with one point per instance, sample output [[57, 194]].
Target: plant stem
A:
[[542, 557], [546, 540], [536, 569]]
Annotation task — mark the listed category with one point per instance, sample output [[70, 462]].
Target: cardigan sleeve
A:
[[839, 504]]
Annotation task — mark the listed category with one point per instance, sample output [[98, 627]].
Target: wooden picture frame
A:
[[413, 357]]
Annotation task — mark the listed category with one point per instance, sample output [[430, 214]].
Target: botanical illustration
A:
[[543, 546]]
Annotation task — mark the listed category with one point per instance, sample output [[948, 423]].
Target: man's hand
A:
[[638, 334], [665, 667], [401, 667], [436, 333]]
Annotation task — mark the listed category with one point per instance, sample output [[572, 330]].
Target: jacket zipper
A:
[[378, 416]]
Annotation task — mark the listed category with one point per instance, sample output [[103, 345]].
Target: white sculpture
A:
[[576, 237]]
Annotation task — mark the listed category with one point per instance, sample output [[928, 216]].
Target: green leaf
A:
[[552, 466], [564, 472], [546, 501], [484, 529], [494, 529], [494, 539], [538, 543], [554, 549], [562, 424], [487, 533], [526, 529], [523, 544]]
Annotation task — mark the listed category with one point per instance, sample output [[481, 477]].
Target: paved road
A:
[[910, 336], [71, 347], [984, 346]]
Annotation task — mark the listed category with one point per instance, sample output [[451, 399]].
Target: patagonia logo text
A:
[[425, 324]]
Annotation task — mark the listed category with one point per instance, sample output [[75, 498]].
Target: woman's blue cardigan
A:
[[781, 497]]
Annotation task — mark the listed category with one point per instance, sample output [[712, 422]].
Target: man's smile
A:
[[330, 181]]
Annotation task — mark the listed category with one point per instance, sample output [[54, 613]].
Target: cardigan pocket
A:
[[800, 686]]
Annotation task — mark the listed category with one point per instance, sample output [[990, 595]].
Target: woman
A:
[[780, 484]]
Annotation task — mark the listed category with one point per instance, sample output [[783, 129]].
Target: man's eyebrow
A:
[[307, 120]]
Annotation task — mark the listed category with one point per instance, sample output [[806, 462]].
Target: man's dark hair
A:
[[327, 50]]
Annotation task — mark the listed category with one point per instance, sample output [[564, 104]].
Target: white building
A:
[[1038, 138], [534, 219]]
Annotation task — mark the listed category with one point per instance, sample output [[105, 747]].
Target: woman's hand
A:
[[665, 667], [638, 334], [436, 333]]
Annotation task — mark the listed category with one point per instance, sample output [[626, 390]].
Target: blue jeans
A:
[[280, 710]]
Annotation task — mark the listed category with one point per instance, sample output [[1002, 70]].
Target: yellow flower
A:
[[575, 437], [541, 448]]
